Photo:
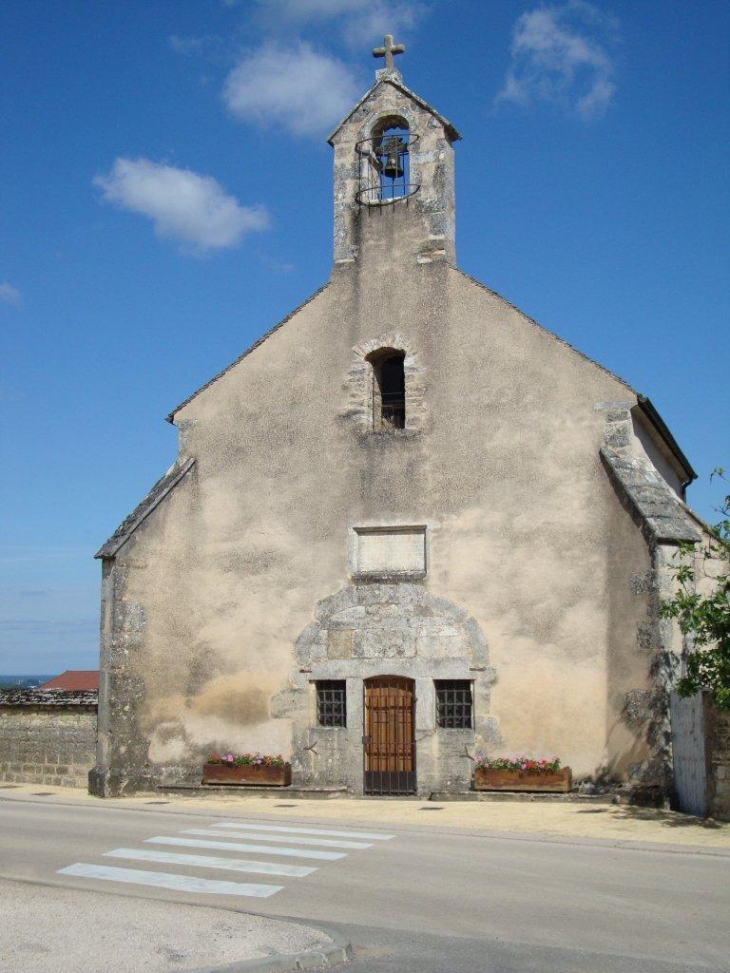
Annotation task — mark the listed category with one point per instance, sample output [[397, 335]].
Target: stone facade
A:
[[548, 495], [47, 737], [398, 628]]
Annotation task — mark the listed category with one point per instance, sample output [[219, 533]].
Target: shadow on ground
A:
[[668, 819]]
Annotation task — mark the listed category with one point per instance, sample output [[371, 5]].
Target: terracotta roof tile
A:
[[74, 681]]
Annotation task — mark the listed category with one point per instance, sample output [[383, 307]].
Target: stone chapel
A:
[[379, 576]]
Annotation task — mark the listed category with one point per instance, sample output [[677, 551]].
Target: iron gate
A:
[[389, 747]]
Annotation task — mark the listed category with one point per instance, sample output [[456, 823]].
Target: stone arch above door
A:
[[375, 624], [395, 629]]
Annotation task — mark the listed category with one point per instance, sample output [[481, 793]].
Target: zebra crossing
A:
[[263, 841]]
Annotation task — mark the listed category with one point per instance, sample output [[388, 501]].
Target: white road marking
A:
[[166, 880], [282, 839], [368, 835], [210, 861], [278, 835], [239, 846]]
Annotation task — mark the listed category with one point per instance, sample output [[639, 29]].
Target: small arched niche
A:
[[385, 169], [389, 389]]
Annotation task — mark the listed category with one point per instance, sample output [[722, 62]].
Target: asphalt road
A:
[[413, 900]]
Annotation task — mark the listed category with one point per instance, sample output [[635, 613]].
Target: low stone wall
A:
[[47, 736], [719, 769]]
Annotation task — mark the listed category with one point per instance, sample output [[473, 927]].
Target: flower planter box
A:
[[249, 775], [556, 781]]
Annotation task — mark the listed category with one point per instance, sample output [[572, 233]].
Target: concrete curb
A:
[[339, 953]]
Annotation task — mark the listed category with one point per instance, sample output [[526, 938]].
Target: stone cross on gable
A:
[[388, 50]]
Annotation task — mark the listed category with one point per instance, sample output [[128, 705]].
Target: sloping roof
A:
[[658, 508], [395, 80], [74, 680], [156, 495], [259, 341]]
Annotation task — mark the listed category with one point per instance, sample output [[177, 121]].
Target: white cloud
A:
[[295, 88], [184, 206], [360, 21], [559, 55], [9, 294]]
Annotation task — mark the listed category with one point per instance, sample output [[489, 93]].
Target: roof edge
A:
[[649, 410], [154, 498], [253, 347], [397, 83]]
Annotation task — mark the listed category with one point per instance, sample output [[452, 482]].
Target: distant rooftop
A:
[[74, 681]]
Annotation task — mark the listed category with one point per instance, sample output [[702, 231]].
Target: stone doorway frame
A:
[[325, 756]]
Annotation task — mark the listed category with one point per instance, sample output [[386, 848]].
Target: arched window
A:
[[390, 148], [389, 389]]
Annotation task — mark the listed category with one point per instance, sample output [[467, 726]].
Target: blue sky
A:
[[166, 198]]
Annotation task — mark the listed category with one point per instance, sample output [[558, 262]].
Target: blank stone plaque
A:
[[398, 550]]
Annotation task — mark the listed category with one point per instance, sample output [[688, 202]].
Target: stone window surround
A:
[[355, 532], [359, 386]]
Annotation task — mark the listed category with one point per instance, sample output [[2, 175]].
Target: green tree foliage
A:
[[705, 618]]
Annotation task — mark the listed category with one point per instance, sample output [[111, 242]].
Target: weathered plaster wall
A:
[[213, 590], [633, 642], [46, 743]]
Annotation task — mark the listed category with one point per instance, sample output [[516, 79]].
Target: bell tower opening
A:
[[385, 163]]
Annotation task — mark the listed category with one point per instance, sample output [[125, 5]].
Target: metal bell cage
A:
[[388, 155]]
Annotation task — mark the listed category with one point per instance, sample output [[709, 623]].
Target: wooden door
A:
[[389, 739]]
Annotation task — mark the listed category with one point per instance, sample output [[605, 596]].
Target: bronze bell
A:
[[392, 167], [391, 151]]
